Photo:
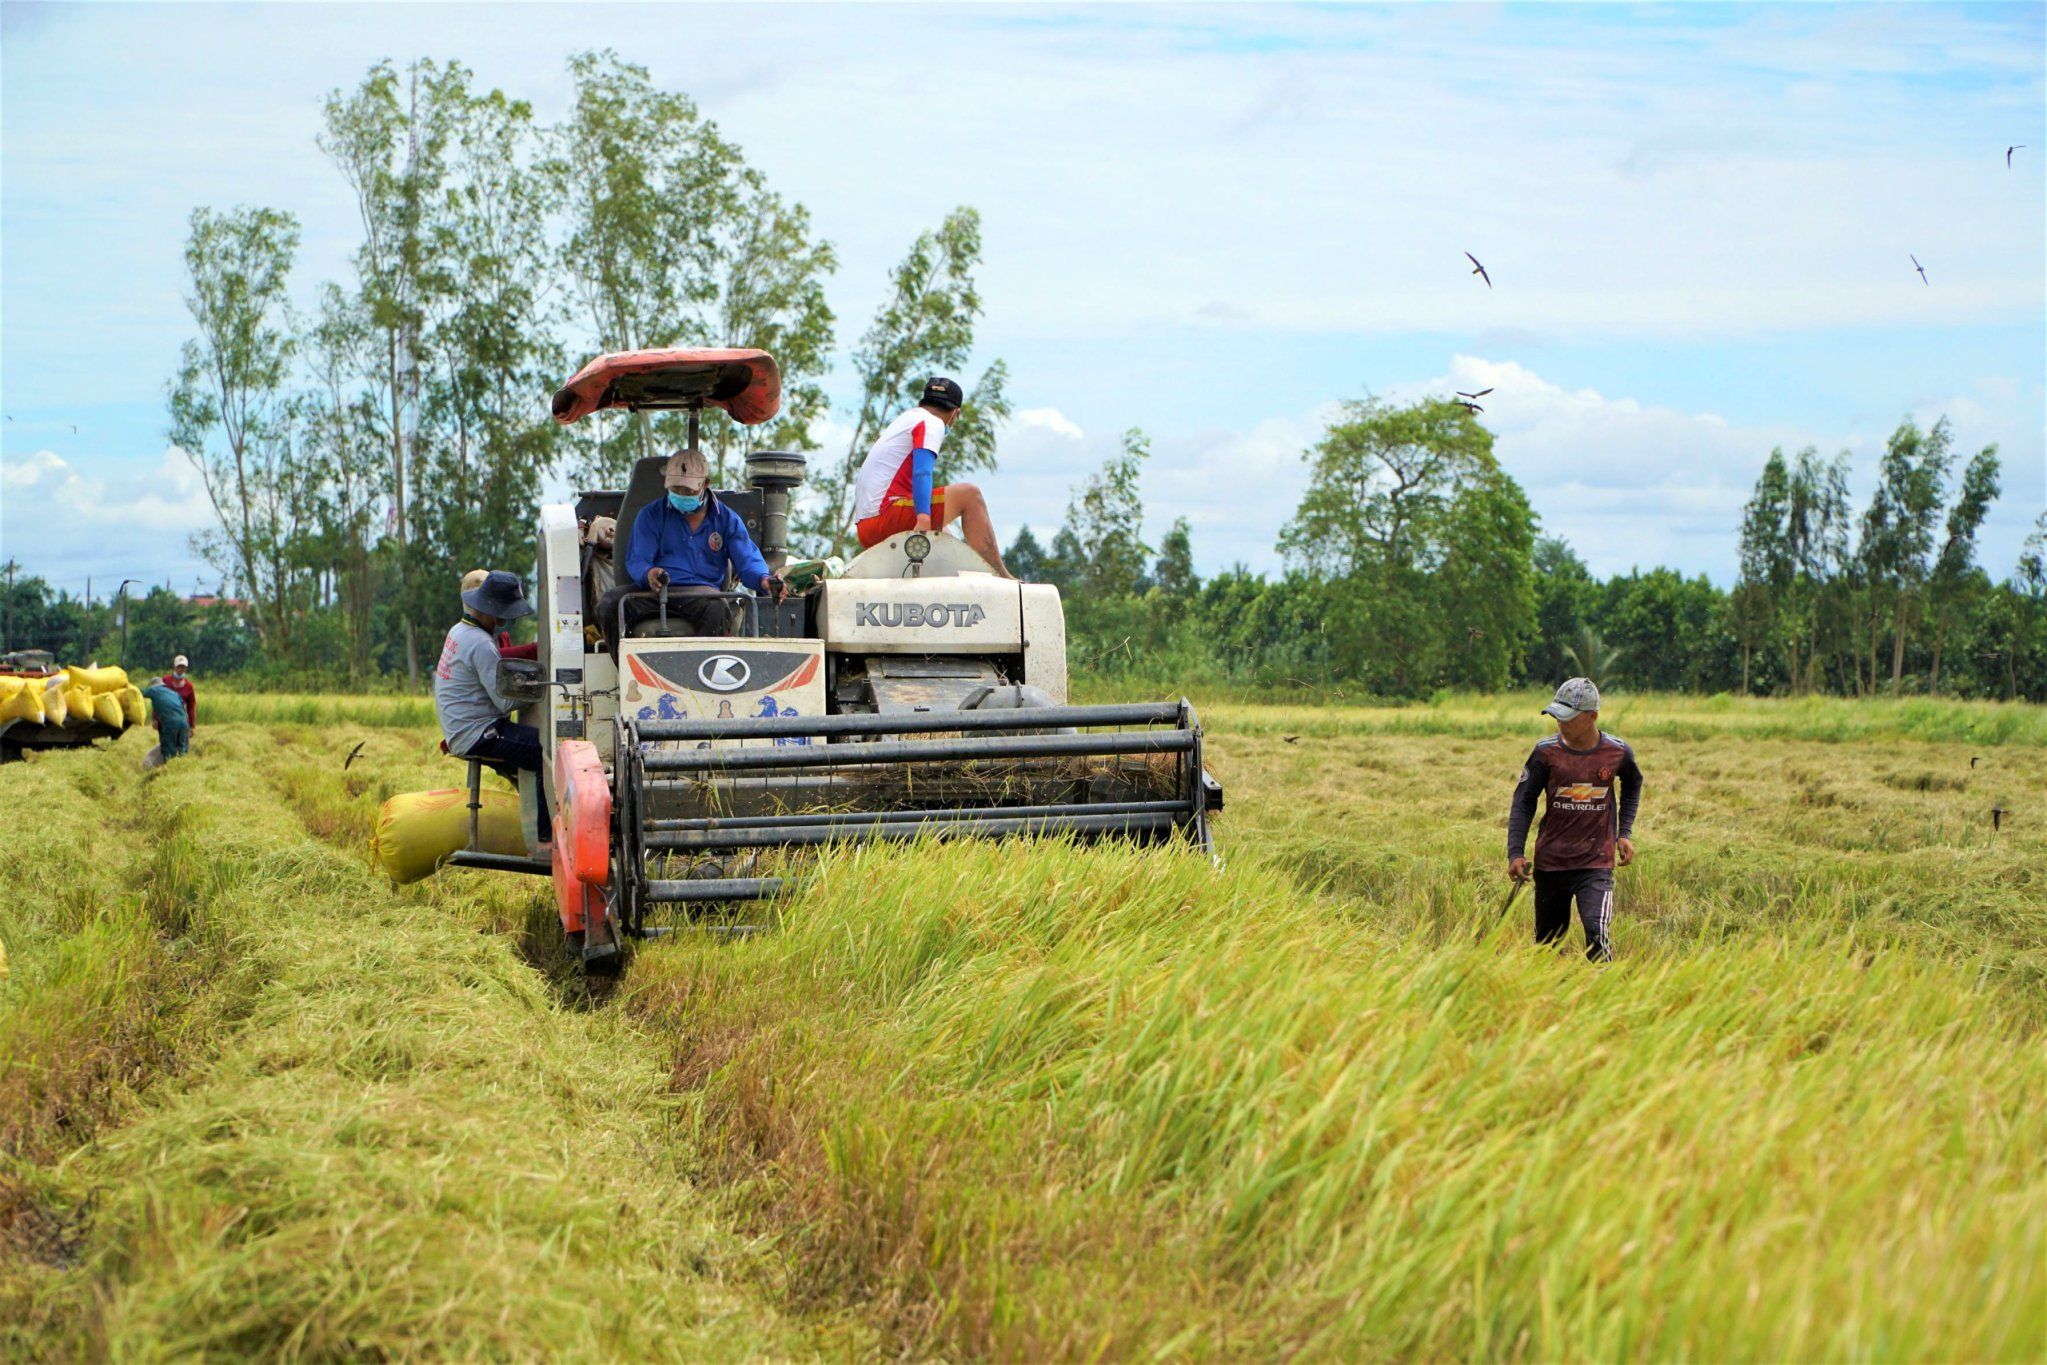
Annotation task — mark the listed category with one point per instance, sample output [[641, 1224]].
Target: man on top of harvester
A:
[[687, 540], [469, 696], [893, 491]]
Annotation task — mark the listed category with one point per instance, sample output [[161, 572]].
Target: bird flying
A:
[[1468, 405], [1478, 269], [1473, 396], [2015, 147], [1920, 268], [352, 753]]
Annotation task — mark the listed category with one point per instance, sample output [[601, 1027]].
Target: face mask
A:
[[682, 503]]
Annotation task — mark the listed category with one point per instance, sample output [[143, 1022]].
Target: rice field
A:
[[1045, 1102]]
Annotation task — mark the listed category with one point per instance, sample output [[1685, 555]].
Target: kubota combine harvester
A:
[[914, 694]]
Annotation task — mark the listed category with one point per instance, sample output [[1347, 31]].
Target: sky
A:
[[1216, 223]]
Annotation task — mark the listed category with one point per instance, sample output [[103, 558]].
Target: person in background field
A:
[[182, 685], [474, 711], [506, 649], [1584, 834], [167, 713], [893, 491]]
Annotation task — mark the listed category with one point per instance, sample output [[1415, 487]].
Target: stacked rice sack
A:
[[74, 696]]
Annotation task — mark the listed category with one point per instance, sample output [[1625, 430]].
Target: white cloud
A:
[[1048, 419], [44, 487]]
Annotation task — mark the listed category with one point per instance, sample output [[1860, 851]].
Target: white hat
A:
[[181, 662]]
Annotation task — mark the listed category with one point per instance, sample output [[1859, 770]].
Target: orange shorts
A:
[[897, 514]]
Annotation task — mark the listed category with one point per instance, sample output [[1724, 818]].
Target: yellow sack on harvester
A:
[[55, 709], [133, 708], [77, 705], [106, 709], [21, 699], [97, 680], [416, 831]]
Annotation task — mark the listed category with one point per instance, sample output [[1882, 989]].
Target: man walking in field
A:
[[1584, 833]]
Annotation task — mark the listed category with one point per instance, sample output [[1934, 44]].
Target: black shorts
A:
[[1592, 889]]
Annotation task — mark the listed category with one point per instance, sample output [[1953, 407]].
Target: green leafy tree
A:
[[1955, 580], [1757, 600], [646, 183], [1898, 529], [1105, 519], [1395, 496], [340, 415], [1173, 572], [771, 276], [1027, 559], [925, 326], [1564, 593], [389, 139], [491, 347], [229, 407]]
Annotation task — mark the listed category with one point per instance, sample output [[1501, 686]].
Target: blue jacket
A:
[[168, 705], [661, 536]]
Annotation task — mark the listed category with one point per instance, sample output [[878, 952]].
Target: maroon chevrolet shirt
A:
[[1581, 820]]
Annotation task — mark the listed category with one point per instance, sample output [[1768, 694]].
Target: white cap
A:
[[181, 662]]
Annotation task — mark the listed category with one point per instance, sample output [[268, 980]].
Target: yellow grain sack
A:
[[55, 710], [416, 831], [106, 709], [133, 708], [96, 680], [21, 699], [78, 702]]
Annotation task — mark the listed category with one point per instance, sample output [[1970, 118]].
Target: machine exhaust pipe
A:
[[775, 474]]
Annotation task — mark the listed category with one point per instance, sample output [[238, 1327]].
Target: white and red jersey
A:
[[885, 474]]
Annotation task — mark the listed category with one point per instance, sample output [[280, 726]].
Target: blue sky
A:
[[1210, 222]]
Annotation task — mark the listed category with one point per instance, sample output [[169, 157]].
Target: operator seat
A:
[[645, 487]]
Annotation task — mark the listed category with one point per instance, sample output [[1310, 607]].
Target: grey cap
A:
[[1574, 699], [500, 595]]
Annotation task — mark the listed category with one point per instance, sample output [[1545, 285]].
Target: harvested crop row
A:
[[401, 1143]]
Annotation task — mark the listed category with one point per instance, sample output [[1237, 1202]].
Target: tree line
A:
[[360, 455], [1414, 563]]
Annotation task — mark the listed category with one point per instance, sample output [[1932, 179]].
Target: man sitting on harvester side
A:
[[686, 541], [893, 491], [476, 720]]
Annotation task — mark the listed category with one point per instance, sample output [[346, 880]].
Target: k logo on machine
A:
[[723, 673]]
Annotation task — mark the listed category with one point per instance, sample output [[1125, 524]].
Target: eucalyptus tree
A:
[[1955, 578], [924, 326], [229, 403], [771, 271], [389, 138], [491, 342], [1758, 595], [647, 184], [1105, 516], [340, 415], [1897, 537]]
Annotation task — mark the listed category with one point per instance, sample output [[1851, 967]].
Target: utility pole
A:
[[121, 594]]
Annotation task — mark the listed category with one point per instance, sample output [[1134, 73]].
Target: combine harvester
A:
[[43, 706], [915, 694]]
